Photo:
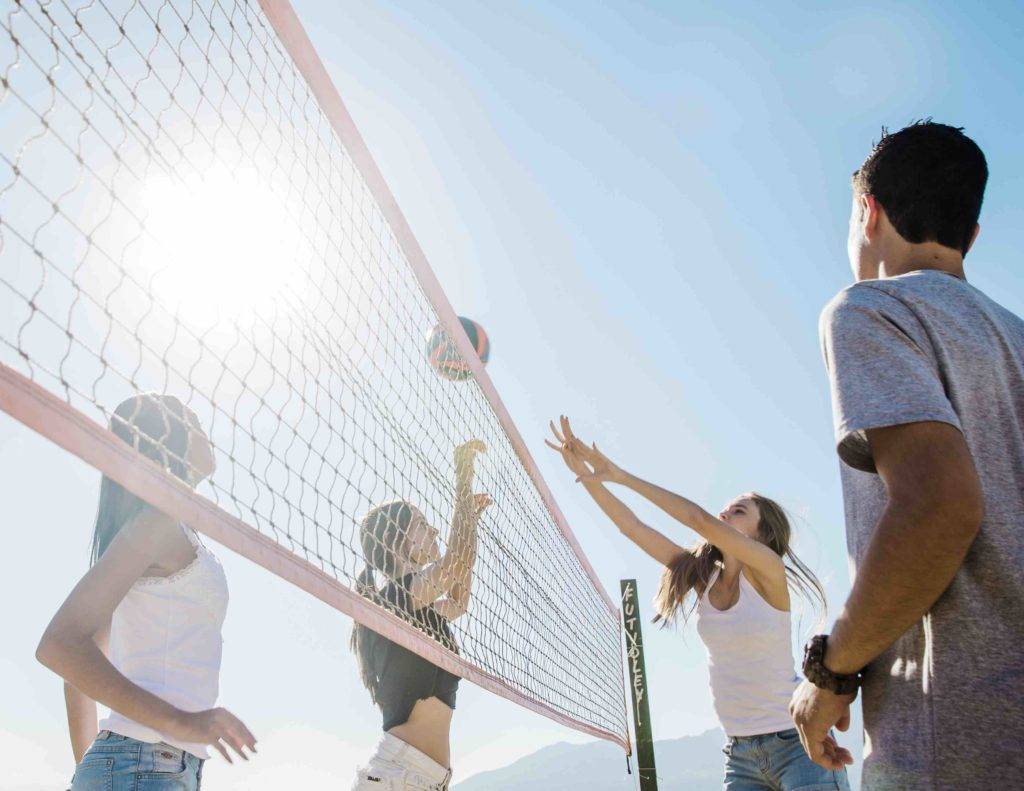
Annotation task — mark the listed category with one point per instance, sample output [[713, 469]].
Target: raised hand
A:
[[465, 458], [459, 594], [575, 464], [589, 464], [481, 502], [217, 727], [602, 468]]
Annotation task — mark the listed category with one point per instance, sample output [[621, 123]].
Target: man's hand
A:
[[815, 712]]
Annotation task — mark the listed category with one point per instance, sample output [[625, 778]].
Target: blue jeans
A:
[[776, 762], [117, 763]]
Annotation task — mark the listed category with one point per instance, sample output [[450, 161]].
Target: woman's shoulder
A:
[[156, 531], [172, 546], [153, 522]]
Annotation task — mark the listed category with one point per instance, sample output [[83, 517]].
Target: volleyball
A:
[[444, 356]]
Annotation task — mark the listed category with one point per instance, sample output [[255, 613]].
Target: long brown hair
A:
[[693, 569], [382, 534]]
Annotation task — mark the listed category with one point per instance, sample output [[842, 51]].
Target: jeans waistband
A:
[[756, 736], [112, 736], [392, 748]]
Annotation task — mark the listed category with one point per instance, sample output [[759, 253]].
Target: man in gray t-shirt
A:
[[927, 380]]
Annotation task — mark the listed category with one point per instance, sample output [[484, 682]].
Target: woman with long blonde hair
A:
[[741, 573]]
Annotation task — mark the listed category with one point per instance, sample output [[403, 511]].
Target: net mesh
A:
[[178, 216]]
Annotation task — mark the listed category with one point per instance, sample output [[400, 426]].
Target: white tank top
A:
[[165, 636], [750, 659]]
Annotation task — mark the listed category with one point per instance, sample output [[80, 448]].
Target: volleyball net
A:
[[187, 209]]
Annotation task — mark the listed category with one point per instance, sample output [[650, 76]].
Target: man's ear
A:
[[871, 214], [974, 237]]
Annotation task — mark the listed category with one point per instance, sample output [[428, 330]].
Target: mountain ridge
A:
[[694, 763]]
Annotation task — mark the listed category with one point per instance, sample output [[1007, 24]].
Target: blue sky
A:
[[645, 205]]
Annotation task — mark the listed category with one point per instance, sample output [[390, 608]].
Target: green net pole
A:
[[638, 685]]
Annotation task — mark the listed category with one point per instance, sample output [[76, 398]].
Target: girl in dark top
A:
[[416, 698]]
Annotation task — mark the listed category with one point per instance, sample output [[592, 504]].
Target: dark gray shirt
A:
[[944, 706]]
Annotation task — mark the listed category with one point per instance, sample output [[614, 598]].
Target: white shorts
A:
[[397, 766]]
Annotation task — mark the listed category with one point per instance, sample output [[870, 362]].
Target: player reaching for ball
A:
[[740, 572], [416, 698]]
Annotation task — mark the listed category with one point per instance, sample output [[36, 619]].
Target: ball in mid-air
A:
[[444, 355]]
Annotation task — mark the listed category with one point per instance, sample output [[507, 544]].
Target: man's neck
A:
[[919, 257]]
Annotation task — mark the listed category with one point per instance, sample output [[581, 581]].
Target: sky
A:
[[645, 205]]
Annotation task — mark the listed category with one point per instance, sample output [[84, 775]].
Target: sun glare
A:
[[222, 246]]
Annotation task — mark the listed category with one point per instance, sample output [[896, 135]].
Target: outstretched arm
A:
[[657, 545], [598, 468], [457, 602], [452, 574], [750, 552]]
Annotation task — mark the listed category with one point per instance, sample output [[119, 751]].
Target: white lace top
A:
[[165, 636]]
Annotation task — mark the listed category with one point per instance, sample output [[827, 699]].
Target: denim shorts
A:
[[397, 766], [117, 763], [776, 762]]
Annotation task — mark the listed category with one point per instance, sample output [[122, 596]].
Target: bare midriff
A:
[[428, 730]]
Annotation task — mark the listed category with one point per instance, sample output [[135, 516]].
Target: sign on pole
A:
[[638, 685]]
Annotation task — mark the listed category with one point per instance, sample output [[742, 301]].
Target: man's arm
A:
[[934, 511]]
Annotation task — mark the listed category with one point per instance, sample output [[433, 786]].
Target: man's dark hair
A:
[[930, 179]]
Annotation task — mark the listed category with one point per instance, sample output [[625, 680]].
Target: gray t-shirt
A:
[[944, 706]]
